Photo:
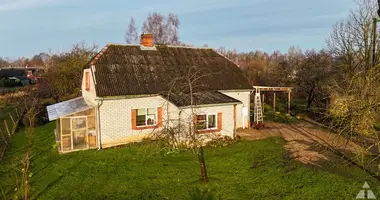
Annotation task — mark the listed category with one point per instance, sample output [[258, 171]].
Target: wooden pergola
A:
[[274, 90]]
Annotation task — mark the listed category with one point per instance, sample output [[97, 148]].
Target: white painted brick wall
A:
[[89, 96], [116, 116], [244, 97], [227, 116], [116, 125]]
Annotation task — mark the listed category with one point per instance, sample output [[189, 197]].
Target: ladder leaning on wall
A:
[[258, 111]]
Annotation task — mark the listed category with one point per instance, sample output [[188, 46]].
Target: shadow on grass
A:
[[51, 184]]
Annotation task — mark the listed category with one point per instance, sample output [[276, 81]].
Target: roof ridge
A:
[[172, 46], [98, 55], [122, 44], [188, 47], [228, 59]]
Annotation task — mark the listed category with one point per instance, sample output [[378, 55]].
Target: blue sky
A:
[[28, 27]]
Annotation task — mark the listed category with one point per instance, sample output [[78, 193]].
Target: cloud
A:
[[12, 5]]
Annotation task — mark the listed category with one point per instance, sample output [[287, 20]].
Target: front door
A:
[[79, 132]]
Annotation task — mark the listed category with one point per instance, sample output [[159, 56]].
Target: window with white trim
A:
[[207, 121], [146, 117]]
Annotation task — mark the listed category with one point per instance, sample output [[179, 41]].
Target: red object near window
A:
[[87, 80]]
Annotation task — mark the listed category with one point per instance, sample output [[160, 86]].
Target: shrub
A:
[[222, 141]]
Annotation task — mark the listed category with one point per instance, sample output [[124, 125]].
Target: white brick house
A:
[[130, 91]]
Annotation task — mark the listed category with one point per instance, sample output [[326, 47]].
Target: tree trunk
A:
[[202, 164], [310, 97]]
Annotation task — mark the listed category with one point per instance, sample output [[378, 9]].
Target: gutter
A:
[[126, 97], [210, 105]]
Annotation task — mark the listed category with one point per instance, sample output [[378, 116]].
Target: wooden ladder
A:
[[258, 111]]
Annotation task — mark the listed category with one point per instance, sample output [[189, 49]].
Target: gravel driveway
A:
[[305, 142]]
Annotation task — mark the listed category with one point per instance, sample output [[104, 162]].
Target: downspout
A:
[[100, 102], [249, 110], [179, 121]]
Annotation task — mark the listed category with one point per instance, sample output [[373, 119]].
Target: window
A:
[[206, 121], [146, 117], [87, 80]]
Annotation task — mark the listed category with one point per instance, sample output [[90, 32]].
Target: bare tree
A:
[[355, 91], [3, 63], [164, 29], [186, 90], [131, 36], [31, 105], [313, 75]]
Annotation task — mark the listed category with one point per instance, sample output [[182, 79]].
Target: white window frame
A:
[[146, 120], [208, 114]]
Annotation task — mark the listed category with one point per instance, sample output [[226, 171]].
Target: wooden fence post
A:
[[13, 121], [18, 116], [6, 127]]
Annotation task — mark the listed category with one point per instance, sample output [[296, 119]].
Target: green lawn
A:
[[142, 171]]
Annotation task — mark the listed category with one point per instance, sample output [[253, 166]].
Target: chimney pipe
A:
[[146, 40]]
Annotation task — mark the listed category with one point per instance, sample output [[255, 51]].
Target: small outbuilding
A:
[[76, 125]]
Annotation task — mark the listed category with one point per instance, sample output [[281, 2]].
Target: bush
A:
[[222, 141], [284, 118], [6, 82]]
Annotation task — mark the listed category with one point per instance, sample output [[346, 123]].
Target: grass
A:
[[244, 170]]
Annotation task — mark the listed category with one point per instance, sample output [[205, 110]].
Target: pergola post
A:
[[289, 91], [274, 102], [262, 107]]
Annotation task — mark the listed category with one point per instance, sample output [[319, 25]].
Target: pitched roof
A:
[[201, 98], [11, 72], [129, 70]]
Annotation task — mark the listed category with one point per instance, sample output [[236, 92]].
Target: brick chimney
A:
[[146, 40]]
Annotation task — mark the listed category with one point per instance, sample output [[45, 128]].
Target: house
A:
[[25, 75], [132, 91]]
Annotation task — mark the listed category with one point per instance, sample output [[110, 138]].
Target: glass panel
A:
[[66, 143], [140, 118], [91, 131], [151, 117], [84, 113], [66, 130], [92, 139], [201, 117], [211, 121], [151, 111], [141, 111], [201, 122], [79, 139], [79, 123], [91, 123]]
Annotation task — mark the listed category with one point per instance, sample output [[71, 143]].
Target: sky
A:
[[29, 27]]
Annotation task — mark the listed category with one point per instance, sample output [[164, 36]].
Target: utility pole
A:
[[374, 23], [374, 29]]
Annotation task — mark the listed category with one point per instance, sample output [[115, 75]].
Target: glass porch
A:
[[77, 131]]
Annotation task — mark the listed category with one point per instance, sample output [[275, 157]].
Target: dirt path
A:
[[305, 142]]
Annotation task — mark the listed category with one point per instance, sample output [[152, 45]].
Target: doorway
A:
[[78, 131]]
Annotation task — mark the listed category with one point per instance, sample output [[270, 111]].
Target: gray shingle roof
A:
[[201, 98], [129, 70]]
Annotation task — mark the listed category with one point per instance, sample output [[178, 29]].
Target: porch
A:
[[76, 125]]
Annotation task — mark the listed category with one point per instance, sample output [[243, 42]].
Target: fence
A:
[[8, 127]]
